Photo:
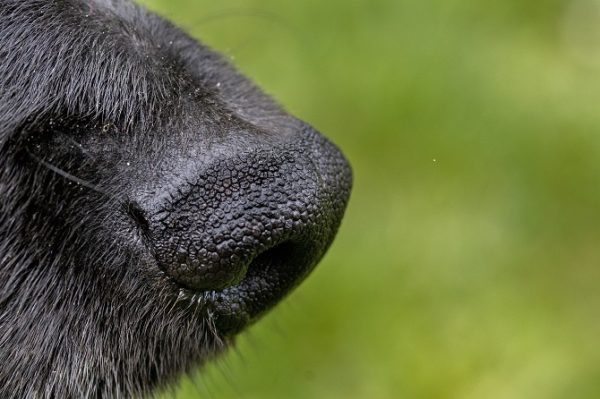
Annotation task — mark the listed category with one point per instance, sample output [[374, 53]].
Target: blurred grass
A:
[[468, 262]]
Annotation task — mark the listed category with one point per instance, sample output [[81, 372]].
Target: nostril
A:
[[287, 261], [276, 255], [271, 275]]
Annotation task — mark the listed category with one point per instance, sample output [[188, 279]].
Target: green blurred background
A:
[[468, 262]]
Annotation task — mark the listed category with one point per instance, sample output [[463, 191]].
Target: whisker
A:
[[71, 177]]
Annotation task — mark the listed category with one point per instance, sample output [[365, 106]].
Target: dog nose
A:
[[270, 210]]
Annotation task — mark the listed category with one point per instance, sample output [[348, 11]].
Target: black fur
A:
[[153, 202]]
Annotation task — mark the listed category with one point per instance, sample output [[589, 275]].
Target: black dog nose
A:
[[275, 209]]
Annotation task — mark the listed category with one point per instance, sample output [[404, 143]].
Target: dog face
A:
[[153, 202]]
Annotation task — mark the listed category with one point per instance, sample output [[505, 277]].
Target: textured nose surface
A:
[[276, 209]]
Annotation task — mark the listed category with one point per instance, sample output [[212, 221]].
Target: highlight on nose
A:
[[265, 216]]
